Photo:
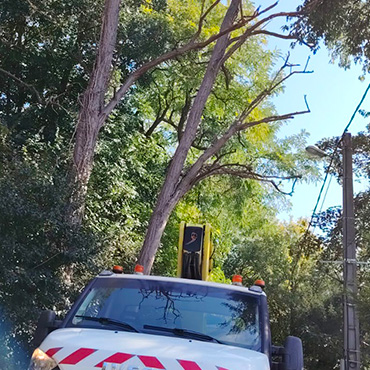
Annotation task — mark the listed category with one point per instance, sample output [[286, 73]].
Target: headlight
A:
[[41, 361]]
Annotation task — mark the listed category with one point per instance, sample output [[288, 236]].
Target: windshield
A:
[[158, 307]]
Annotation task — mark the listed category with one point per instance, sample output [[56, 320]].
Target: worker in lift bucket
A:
[[191, 263]]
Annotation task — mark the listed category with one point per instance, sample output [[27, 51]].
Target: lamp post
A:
[[351, 331]]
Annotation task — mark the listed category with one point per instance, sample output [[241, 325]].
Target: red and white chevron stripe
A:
[[81, 355]]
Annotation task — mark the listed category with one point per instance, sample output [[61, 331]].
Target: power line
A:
[[332, 160], [326, 193]]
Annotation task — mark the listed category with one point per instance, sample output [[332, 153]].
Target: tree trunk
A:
[[157, 224], [91, 118], [170, 194]]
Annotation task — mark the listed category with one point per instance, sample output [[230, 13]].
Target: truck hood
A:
[[94, 349]]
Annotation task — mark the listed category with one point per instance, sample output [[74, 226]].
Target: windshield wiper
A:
[[108, 321], [184, 333]]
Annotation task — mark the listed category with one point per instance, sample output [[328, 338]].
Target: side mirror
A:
[[293, 354], [45, 325]]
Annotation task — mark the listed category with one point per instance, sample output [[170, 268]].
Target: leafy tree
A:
[[129, 169], [121, 59], [51, 33], [342, 24], [47, 55], [187, 169], [37, 247], [303, 301]]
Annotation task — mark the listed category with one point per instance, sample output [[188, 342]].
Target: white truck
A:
[[139, 322]]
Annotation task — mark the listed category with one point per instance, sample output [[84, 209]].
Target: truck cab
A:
[[140, 322]]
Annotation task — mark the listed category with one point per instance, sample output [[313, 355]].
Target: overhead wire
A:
[[332, 156], [325, 195]]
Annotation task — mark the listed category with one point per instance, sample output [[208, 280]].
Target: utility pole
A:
[[351, 322]]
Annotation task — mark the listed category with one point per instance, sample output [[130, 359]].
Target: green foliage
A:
[[343, 24], [39, 248], [47, 53], [142, 22], [129, 170], [300, 299], [48, 50]]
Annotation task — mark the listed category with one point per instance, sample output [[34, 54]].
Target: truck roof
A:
[[253, 290]]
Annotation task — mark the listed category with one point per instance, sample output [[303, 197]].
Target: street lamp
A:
[[351, 322], [315, 151]]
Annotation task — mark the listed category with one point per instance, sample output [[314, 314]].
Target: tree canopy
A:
[[343, 25]]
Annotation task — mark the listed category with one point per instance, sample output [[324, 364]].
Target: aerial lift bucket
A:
[[195, 251]]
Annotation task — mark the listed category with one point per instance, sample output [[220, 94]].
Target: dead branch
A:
[[237, 42], [272, 6], [245, 172], [273, 85], [275, 34]]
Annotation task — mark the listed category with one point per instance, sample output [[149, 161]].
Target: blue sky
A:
[[333, 94]]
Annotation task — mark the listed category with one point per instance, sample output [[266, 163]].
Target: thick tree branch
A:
[[157, 121], [92, 101], [169, 195]]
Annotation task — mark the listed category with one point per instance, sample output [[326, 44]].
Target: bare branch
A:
[[275, 34], [254, 30], [272, 6], [274, 84], [245, 172], [308, 60], [25, 84], [271, 119]]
